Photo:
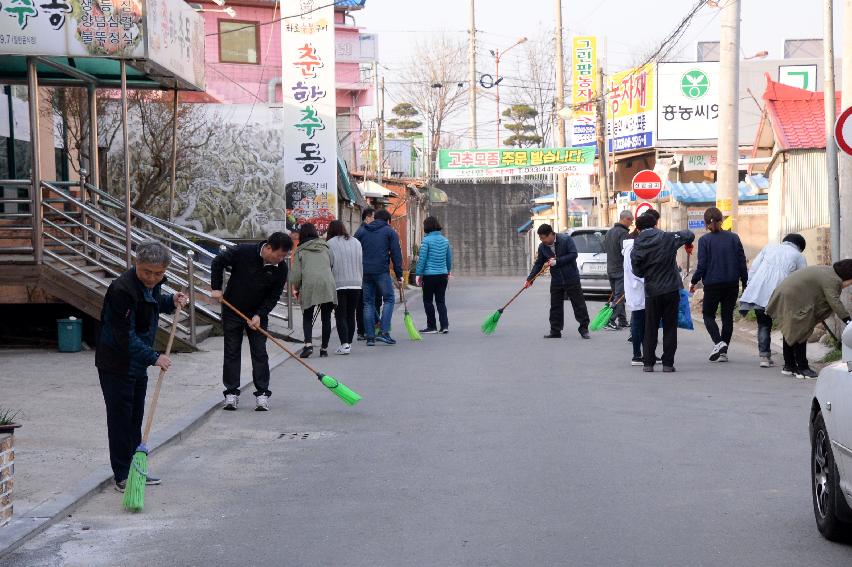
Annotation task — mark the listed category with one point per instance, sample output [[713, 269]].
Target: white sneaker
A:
[[261, 403], [716, 353], [343, 349], [765, 362], [231, 402]]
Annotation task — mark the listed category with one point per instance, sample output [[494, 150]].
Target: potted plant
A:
[[7, 421]]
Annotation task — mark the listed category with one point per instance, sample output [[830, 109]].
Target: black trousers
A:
[[348, 301], [435, 288], [124, 397], [796, 355], [661, 308], [308, 322], [558, 295], [726, 295], [359, 313], [233, 328]]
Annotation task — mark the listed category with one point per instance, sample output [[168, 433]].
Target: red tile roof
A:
[[797, 116]]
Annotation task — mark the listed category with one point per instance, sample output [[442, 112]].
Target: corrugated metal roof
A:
[[539, 208], [349, 3], [525, 227], [706, 192]]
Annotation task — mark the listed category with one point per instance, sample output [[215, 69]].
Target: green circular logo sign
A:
[[694, 84]]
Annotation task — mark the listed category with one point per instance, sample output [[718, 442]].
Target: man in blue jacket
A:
[[380, 246], [560, 253], [131, 308]]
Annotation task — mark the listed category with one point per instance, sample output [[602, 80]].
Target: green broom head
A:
[[490, 324], [134, 492], [602, 318], [339, 389], [410, 328]]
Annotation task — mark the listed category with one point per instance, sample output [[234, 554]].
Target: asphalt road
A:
[[467, 450]]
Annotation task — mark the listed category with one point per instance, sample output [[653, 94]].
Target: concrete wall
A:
[[481, 221]]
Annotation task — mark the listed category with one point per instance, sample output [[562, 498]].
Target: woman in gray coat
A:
[[313, 284]]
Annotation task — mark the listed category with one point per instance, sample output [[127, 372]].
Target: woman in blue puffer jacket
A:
[[433, 273]]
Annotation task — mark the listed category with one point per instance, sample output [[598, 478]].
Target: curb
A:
[[25, 527]]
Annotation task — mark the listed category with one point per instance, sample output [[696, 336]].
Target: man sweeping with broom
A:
[[132, 305], [560, 253]]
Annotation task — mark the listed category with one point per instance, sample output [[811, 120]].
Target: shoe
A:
[[669, 369], [261, 403], [371, 341], [343, 349], [553, 335], [723, 357], [766, 362], [637, 361], [630, 339], [385, 338], [647, 369], [717, 350], [323, 353], [444, 331], [428, 331], [361, 338], [806, 373], [612, 326], [120, 485], [307, 351], [153, 480], [623, 325], [585, 335], [231, 402], [787, 371]]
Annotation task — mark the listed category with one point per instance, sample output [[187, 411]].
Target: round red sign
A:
[[647, 184]]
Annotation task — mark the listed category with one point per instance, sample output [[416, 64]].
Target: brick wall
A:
[[7, 475]]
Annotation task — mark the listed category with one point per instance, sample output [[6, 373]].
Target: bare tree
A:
[[433, 81], [536, 83]]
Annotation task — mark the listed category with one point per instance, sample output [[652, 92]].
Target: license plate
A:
[[596, 268]]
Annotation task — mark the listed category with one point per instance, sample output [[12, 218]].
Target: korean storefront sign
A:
[[476, 164], [310, 131], [630, 109], [585, 86], [688, 101]]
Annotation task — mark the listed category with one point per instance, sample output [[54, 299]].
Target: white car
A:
[[591, 259], [831, 446]]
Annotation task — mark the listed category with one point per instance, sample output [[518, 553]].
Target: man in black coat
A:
[[559, 252], [654, 258], [258, 275], [613, 242]]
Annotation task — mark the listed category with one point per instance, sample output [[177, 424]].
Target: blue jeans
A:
[[637, 331], [383, 285]]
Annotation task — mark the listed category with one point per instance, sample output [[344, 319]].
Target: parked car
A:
[[831, 446], [591, 259]]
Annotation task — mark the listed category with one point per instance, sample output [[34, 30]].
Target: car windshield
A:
[[589, 242]]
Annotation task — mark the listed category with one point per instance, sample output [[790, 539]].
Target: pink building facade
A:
[[243, 62]]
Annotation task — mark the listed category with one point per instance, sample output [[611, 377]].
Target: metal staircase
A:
[[79, 244]]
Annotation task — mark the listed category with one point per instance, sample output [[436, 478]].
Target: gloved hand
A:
[[689, 248]]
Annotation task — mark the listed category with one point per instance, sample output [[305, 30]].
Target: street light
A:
[[497, 54]]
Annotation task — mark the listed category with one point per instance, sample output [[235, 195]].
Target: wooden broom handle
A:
[[263, 332], [514, 297], [153, 406]]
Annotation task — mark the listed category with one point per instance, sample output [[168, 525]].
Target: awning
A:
[[706, 192], [525, 227], [541, 208], [373, 190]]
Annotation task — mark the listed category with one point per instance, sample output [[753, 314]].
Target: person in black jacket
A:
[[613, 242], [722, 267], [559, 252], [129, 315], [258, 275], [654, 258]]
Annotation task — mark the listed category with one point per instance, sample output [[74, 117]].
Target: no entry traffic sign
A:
[[642, 208], [843, 131], [647, 184]]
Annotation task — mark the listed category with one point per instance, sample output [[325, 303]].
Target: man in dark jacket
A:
[[380, 246], [258, 275], [722, 267], [613, 243], [367, 216], [559, 252], [131, 308], [654, 258]]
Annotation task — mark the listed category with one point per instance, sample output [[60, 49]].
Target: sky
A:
[[629, 28]]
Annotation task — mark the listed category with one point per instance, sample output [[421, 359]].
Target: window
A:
[[589, 242], [238, 42]]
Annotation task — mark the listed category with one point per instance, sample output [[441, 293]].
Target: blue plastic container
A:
[[70, 333]]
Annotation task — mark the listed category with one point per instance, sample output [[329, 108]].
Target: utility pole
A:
[[727, 186], [471, 54], [603, 153], [562, 193], [830, 117], [380, 122], [846, 160]]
